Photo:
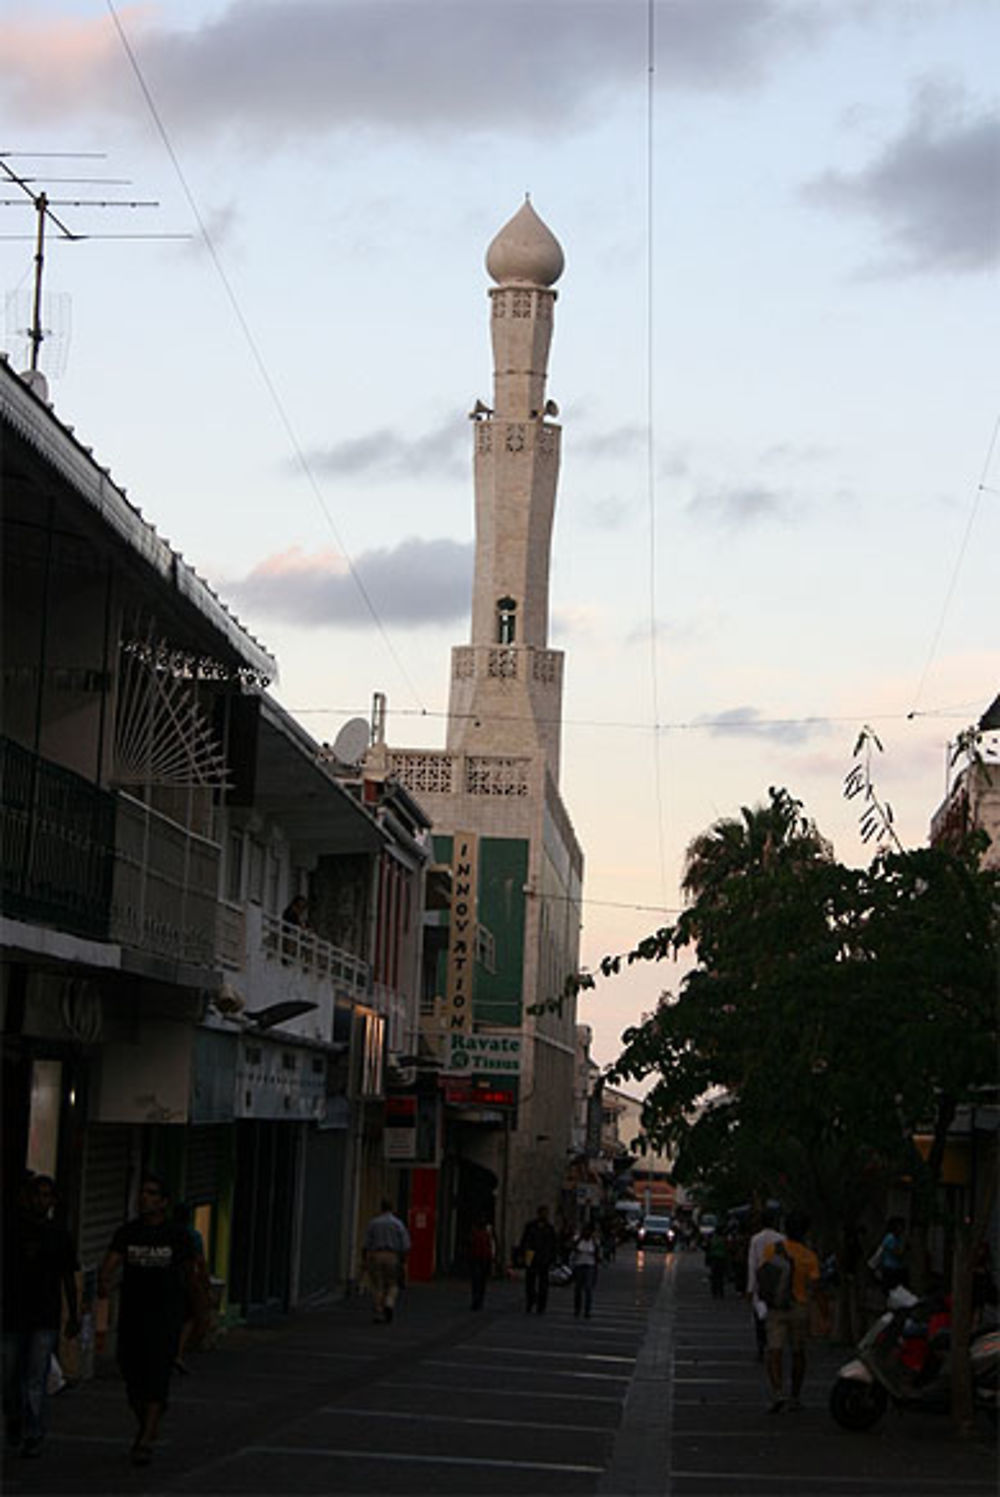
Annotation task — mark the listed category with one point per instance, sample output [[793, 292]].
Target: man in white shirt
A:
[[768, 1234], [386, 1245]]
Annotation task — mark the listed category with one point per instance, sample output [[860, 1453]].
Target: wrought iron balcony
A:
[[57, 845], [103, 865]]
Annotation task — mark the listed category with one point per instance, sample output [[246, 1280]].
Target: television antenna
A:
[[44, 205]]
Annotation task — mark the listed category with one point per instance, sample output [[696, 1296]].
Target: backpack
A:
[[774, 1279]]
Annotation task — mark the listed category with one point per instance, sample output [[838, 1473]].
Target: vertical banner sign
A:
[[461, 938]]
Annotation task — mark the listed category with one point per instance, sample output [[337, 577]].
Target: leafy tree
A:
[[832, 1015]]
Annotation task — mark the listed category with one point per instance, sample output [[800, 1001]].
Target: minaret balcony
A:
[[430, 772], [507, 663]]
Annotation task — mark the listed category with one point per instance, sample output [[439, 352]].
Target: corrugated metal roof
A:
[[57, 444]]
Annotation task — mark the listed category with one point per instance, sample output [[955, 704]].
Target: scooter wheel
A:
[[856, 1405]]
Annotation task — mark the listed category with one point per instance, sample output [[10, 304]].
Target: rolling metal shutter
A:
[[106, 1169], [206, 1154]]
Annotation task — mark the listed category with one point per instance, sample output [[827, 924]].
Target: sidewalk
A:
[[722, 1440], [258, 1378]]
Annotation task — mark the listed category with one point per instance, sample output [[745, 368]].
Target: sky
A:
[[774, 356]]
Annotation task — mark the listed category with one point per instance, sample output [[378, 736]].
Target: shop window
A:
[[43, 1117]]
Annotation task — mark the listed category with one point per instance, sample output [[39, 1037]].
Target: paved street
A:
[[658, 1394]]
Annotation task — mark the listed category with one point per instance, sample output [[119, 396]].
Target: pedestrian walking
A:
[[153, 1255], [584, 1263], [39, 1267], [538, 1249], [738, 1243], [765, 1237], [384, 1253], [717, 1258], [482, 1256], [788, 1309], [888, 1260]]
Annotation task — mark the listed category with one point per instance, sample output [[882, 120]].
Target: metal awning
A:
[[295, 786], [43, 456]]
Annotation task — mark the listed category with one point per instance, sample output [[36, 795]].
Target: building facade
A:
[[163, 1005]]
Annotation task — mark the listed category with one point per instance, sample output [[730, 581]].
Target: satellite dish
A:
[[351, 743]]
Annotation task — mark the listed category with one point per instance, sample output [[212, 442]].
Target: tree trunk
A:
[[968, 1236], [925, 1196]]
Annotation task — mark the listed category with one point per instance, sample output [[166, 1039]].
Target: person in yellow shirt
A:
[[789, 1325]]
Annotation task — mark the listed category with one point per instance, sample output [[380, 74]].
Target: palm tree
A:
[[762, 839]]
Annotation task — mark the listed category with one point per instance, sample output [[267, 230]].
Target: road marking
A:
[[583, 1429], [477, 1348], [607, 1377], [344, 1356], [499, 1392], [680, 1381], [312, 1451]]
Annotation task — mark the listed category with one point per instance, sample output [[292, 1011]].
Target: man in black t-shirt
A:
[[154, 1255], [39, 1266]]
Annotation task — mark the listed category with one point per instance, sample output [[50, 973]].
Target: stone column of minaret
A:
[[494, 788], [506, 686]]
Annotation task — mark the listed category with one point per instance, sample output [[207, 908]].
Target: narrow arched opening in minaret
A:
[[506, 621]]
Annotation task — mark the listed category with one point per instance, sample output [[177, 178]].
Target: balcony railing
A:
[[166, 879], [58, 844], [231, 936], [293, 946], [103, 865]]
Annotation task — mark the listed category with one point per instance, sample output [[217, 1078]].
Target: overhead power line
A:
[[957, 713], [981, 489], [255, 353], [654, 661]]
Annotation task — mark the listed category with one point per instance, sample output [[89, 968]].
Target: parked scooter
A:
[[905, 1359]]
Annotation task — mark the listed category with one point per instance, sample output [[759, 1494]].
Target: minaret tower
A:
[[506, 684]]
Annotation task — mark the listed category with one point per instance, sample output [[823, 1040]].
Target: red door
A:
[[422, 1224]]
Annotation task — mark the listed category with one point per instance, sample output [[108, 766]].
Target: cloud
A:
[[746, 722], [387, 454], [794, 454], [222, 224], [417, 582], [932, 191], [609, 513], [738, 505], [271, 70], [580, 622], [620, 441], [680, 633]]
